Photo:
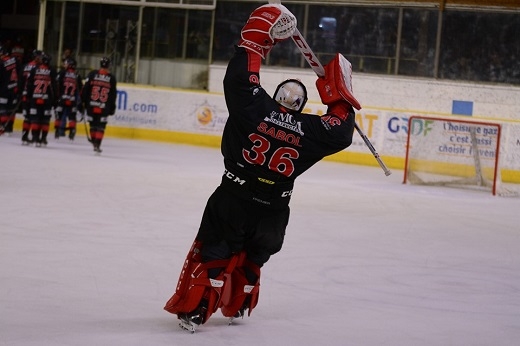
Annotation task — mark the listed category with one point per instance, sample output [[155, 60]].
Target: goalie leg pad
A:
[[193, 259], [199, 287], [239, 293], [195, 285]]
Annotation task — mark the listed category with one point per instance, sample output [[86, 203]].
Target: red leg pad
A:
[[194, 284], [238, 289]]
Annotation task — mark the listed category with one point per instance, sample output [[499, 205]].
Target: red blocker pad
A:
[[336, 85]]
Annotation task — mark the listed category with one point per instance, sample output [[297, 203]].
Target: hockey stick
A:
[[86, 129], [317, 67]]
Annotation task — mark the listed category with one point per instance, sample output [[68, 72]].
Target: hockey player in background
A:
[[9, 91], [267, 143], [70, 85], [31, 65], [17, 52], [99, 100], [41, 96]]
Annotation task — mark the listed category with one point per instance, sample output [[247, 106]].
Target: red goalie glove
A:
[[336, 85], [267, 25]]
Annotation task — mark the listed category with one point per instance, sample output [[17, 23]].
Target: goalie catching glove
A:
[[336, 85], [266, 26]]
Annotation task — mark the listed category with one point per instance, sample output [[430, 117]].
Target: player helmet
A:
[[69, 63], [36, 53], [3, 50], [45, 58], [291, 94], [104, 62]]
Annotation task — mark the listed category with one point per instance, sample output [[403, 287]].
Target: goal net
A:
[[452, 152]]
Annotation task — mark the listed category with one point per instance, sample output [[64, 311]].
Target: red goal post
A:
[[453, 152]]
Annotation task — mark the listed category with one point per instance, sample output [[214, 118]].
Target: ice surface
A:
[[91, 248]]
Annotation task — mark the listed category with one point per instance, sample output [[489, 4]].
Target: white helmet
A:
[[291, 94]]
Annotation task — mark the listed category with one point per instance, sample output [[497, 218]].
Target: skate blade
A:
[[239, 315], [190, 327]]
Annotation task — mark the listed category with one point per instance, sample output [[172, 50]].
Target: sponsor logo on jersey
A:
[[286, 121], [234, 178], [103, 78]]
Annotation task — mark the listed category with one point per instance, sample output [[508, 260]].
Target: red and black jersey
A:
[[41, 86], [263, 142], [8, 76], [31, 65], [261, 135], [18, 52], [100, 92], [70, 85]]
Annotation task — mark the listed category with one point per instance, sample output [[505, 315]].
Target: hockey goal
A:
[[452, 152]]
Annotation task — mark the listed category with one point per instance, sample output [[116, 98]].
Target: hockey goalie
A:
[[266, 144]]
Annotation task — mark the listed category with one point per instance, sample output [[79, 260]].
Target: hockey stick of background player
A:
[[317, 67], [85, 123]]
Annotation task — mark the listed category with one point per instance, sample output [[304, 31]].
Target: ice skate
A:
[[72, 134], [188, 323], [25, 139], [191, 320], [241, 312]]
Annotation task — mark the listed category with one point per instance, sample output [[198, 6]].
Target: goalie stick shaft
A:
[[317, 67]]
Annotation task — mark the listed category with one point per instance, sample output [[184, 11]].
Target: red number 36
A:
[[280, 161]]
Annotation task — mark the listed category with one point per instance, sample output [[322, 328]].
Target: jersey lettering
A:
[[279, 134], [332, 121]]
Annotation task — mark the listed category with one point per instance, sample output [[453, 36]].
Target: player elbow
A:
[[347, 142]]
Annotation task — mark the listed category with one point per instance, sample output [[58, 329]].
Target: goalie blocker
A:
[[336, 85]]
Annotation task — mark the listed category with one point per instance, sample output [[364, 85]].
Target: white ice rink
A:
[[91, 248]]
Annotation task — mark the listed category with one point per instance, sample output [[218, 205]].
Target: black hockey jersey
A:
[[8, 77], [41, 86], [263, 142], [70, 85], [99, 93], [25, 75]]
